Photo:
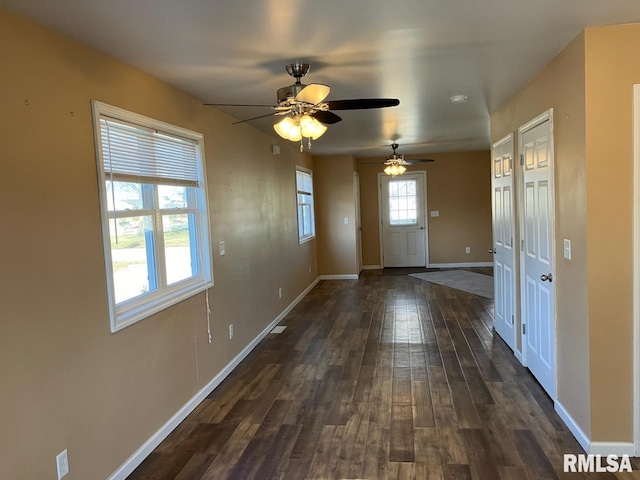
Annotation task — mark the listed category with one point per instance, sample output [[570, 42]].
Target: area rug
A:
[[470, 282]]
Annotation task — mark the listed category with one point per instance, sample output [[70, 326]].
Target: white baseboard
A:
[[163, 432], [460, 265], [338, 277], [372, 267], [575, 429], [613, 448], [594, 448]]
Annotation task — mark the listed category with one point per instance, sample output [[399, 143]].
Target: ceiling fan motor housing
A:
[[289, 92]]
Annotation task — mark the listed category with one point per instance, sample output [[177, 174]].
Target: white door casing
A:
[[358, 221], [537, 250], [636, 263], [403, 227], [504, 256]]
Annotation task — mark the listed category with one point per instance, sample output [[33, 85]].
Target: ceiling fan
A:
[[306, 113], [396, 164]]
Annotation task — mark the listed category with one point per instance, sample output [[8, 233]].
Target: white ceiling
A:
[[419, 51]]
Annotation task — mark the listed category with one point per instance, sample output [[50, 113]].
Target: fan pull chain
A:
[[301, 146], [309, 143]]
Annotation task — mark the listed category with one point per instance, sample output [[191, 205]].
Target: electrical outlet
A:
[[62, 462], [230, 331], [467, 250], [309, 268], [221, 248], [280, 293]]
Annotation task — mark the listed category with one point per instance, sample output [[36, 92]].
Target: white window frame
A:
[[146, 304], [300, 206]]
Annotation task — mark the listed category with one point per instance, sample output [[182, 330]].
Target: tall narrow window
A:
[[154, 213], [304, 187]]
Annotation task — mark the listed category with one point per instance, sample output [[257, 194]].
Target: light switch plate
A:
[[567, 249], [435, 213]]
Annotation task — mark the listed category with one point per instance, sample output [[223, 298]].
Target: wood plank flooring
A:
[[385, 377]]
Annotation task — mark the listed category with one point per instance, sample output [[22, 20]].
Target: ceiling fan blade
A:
[[314, 93], [362, 103], [255, 118], [413, 161], [326, 117], [235, 105]]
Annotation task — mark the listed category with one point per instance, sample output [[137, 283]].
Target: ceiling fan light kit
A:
[[396, 163], [306, 113], [395, 169], [298, 126]]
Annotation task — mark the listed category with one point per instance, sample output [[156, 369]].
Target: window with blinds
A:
[[304, 187], [154, 212]]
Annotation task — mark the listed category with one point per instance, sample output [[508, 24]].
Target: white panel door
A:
[[537, 222], [503, 234], [402, 213]]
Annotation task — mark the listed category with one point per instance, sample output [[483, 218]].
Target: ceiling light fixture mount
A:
[[459, 99]]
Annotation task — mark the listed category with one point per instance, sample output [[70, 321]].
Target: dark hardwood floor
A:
[[386, 377]]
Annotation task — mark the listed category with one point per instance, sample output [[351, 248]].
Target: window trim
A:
[[134, 312], [305, 238]]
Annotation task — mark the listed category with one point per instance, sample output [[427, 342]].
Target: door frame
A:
[[543, 117], [516, 267], [358, 221], [382, 175], [636, 264]]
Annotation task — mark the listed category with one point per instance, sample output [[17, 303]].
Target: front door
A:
[[402, 210], [503, 234], [536, 148]]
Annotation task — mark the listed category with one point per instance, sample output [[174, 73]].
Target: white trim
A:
[[518, 355], [459, 265], [612, 448], [573, 426], [339, 277], [503, 140], [372, 267], [636, 265], [543, 117], [163, 432], [358, 221]]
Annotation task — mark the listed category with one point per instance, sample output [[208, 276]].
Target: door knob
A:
[[420, 228], [491, 250], [546, 278]]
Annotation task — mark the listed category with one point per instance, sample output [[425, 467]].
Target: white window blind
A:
[[304, 183], [137, 154]]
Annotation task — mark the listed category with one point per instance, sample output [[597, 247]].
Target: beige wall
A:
[[335, 201], [612, 67], [560, 85], [459, 187], [67, 382]]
